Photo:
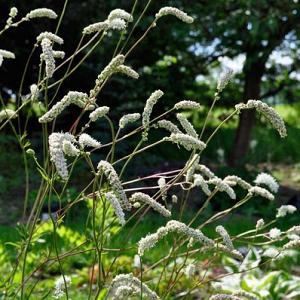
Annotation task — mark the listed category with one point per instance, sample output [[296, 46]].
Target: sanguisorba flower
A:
[[41, 13], [271, 115], [268, 180], [115, 182], [7, 114], [186, 141], [129, 118], [181, 15]]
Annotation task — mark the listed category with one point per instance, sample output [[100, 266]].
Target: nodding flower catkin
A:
[[294, 230], [200, 181], [272, 116], [268, 180], [151, 101], [7, 114], [259, 191], [129, 118], [128, 280], [117, 24], [283, 210], [99, 113], [106, 73], [224, 79], [168, 10], [191, 166], [292, 244], [187, 126], [120, 14], [190, 270], [77, 98], [85, 140], [186, 104], [225, 236], [56, 141], [12, 14], [150, 240], [7, 54], [162, 185], [34, 91], [127, 71], [50, 36], [222, 186], [69, 149], [113, 200], [205, 171], [186, 141], [168, 125], [95, 27], [114, 182], [144, 198], [41, 13], [48, 57], [259, 224], [242, 183]]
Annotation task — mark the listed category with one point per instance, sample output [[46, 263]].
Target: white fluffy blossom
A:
[[99, 113], [175, 12], [129, 118], [13, 12], [272, 116], [150, 240], [174, 199], [129, 283], [95, 27], [292, 244], [56, 54], [50, 36], [294, 230], [283, 210], [168, 125], [1, 60], [60, 283], [127, 71], [224, 79], [56, 141], [247, 295], [41, 13], [274, 233], [225, 236], [85, 140], [120, 14], [259, 224], [222, 186], [113, 200], [144, 198], [115, 183], [268, 180], [151, 101], [187, 126], [34, 91], [77, 98], [242, 183], [48, 57], [106, 73], [271, 252], [186, 141], [259, 191], [190, 167], [162, 185], [205, 171], [187, 104], [7, 114], [70, 149], [7, 54], [200, 181], [117, 24]]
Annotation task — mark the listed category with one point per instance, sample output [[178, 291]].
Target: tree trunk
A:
[[253, 76]]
